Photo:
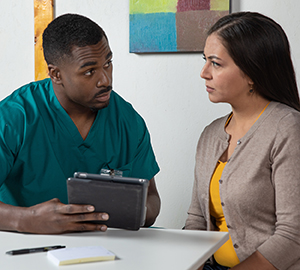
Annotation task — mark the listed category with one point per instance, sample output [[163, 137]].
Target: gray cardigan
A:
[[259, 187]]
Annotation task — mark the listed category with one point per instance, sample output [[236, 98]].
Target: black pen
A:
[[32, 250]]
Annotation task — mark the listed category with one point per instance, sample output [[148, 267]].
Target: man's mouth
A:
[[104, 94]]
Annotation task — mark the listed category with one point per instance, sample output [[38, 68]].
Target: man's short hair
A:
[[67, 31]]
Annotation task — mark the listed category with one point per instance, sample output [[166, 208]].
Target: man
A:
[[73, 121]]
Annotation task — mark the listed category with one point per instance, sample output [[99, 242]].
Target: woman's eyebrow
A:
[[213, 57]]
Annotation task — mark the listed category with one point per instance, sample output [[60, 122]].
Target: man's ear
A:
[[54, 74]]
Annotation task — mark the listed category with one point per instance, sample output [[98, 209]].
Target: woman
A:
[[247, 180]]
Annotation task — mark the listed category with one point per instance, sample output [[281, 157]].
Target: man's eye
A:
[[108, 64], [204, 58], [89, 72]]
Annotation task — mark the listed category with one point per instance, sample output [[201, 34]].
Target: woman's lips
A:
[[209, 89]]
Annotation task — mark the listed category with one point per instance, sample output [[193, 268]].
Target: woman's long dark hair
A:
[[260, 48]]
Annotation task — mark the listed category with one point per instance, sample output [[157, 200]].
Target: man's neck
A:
[[84, 122], [81, 116]]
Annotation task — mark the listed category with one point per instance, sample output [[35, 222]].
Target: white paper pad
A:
[[80, 255]]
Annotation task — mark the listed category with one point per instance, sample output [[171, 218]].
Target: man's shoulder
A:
[[118, 101], [122, 107], [23, 102], [28, 91], [122, 111]]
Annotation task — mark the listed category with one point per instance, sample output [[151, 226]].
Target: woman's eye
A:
[[215, 64]]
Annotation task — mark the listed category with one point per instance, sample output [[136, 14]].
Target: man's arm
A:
[[51, 217], [153, 203]]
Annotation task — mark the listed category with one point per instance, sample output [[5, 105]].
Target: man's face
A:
[[86, 77]]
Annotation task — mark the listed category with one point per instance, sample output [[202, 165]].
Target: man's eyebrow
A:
[[109, 55], [91, 63]]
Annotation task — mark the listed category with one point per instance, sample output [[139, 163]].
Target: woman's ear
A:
[[54, 74], [250, 82]]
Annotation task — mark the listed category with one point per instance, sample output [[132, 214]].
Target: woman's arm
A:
[[255, 261]]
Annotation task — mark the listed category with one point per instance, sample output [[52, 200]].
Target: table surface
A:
[[148, 248]]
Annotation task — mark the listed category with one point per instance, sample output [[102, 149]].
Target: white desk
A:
[[145, 249]]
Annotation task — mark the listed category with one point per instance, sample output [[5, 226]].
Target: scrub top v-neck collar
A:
[[67, 123]]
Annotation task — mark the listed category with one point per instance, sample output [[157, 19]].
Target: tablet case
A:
[[123, 198]]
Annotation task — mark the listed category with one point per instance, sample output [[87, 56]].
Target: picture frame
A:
[[173, 25]]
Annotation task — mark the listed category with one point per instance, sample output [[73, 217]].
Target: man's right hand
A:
[[54, 217]]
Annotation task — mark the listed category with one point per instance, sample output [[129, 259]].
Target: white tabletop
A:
[[148, 248]]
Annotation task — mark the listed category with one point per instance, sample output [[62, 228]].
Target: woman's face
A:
[[224, 80]]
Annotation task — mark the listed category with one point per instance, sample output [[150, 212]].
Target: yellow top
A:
[[225, 255]]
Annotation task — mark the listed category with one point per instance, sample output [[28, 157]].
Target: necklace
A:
[[230, 116]]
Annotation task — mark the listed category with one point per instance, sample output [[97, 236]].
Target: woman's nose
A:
[[205, 74]]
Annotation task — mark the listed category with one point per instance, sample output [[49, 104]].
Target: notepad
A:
[[80, 255]]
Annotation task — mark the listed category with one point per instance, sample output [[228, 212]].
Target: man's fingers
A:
[[76, 208], [89, 217], [80, 222], [55, 217], [84, 227], [81, 213]]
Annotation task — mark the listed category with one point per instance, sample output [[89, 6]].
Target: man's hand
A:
[[54, 217]]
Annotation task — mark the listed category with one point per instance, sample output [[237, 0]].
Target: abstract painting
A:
[[172, 25]]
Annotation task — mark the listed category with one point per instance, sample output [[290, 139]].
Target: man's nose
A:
[[104, 79]]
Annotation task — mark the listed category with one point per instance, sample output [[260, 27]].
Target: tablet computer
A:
[[123, 198]]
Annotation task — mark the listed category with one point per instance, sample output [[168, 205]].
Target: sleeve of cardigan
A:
[[195, 219], [282, 249]]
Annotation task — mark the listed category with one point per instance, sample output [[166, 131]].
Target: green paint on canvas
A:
[[152, 6], [219, 4]]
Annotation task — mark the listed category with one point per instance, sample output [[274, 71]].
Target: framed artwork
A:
[[173, 25]]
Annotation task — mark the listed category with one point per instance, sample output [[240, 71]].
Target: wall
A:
[[166, 89]]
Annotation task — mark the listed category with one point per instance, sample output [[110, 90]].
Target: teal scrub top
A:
[[40, 146]]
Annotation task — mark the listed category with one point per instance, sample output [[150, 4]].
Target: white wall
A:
[[164, 88]]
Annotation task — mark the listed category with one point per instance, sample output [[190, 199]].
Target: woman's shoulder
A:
[[217, 125], [283, 114], [281, 121], [214, 132]]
